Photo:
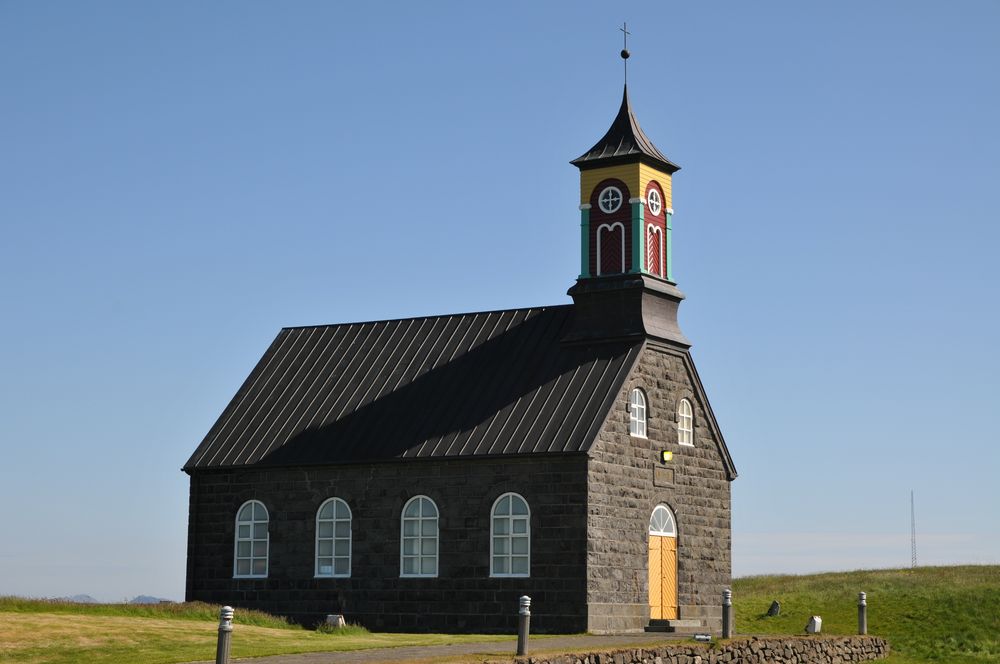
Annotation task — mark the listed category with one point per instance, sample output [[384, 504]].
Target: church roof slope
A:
[[624, 141], [477, 384]]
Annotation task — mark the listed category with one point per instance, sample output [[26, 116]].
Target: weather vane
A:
[[625, 53]]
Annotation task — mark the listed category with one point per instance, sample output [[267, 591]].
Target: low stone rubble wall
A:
[[753, 650]]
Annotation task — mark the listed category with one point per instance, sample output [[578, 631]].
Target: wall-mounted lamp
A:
[[666, 455]]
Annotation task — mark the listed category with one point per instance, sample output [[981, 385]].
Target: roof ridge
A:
[[543, 307]]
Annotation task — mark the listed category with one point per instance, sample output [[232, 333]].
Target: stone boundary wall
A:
[[754, 650]]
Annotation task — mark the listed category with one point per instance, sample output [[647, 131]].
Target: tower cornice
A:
[[626, 306]]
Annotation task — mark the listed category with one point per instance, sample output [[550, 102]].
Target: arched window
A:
[[685, 423], [611, 248], [250, 555], [637, 413], [661, 522], [418, 551], [654, 250], [510, 545], [333, 538]]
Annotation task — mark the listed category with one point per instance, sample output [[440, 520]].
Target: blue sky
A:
[[181, 179]]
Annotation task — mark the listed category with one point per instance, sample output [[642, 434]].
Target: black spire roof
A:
[[623, 143]]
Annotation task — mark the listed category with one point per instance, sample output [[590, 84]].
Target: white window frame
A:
[[655, 201], [611, 191], [662, 527], [419, 556], [609, 228], [509, 537], [252, 523], [637, 420], [333, 539], [685, 423]]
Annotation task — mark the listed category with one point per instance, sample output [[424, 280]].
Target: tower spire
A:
[[625, 54], [624, 142]]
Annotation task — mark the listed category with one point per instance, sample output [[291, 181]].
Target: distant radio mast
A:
[[913, 534]]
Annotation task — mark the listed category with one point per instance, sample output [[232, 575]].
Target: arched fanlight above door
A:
[[662, 523]]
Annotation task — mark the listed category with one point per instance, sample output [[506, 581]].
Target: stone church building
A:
[[422, 474]]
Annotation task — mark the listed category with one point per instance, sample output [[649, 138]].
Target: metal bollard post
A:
[[727, 614], [862, 613], [225, 635], [523, 618]]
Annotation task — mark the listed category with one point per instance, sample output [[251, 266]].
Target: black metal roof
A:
[[625, 141], [474, 384]]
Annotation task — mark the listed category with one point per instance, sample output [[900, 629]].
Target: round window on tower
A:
[[610, 199], [654, 201]]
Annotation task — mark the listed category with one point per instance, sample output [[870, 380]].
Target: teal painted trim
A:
[[638, 239], [585, 244], [669, 258]]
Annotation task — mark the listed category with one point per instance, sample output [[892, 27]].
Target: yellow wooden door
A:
[[655, 584], [668, 576], [662, 577]]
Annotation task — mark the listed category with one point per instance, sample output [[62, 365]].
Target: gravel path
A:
[[489, 649]]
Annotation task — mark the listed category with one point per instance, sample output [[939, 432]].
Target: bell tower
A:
[[625, 203], [626, 285]]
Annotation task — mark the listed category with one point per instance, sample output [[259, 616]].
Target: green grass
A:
[[178, 611], [52, 632], [930, 614]]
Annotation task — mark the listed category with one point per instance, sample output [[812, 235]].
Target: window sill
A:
[[249, 576], [510, 576]]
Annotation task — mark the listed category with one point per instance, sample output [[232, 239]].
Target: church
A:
[[422, 474]]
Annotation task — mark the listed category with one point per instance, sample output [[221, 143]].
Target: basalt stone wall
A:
[[813, 650], [462, 598], [627, 480]]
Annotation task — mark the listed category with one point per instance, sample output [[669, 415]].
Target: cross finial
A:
[[625, 53]]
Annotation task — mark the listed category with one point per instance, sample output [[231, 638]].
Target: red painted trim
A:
[[662, 217], [622, 215], [653, 249]]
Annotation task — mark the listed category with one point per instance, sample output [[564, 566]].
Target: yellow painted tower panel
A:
[[627, 173], [635, 176], [647, 173]]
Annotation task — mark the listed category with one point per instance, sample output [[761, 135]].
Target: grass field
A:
[[930, 614], [46, 632]]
